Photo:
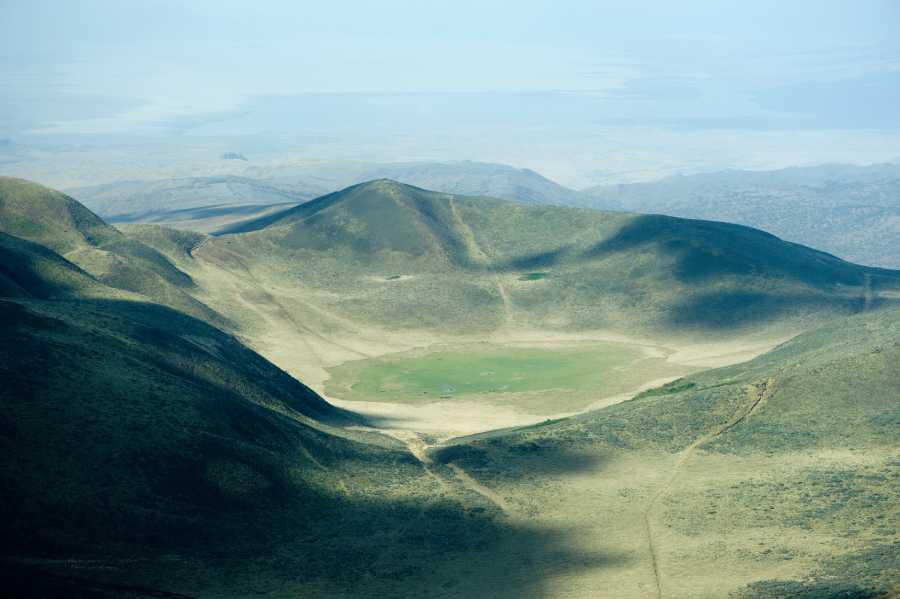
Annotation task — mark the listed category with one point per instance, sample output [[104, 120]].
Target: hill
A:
[[146, 453], [850, 211], [410, 257], [198, 203], [211, 204], [30, 270], [62, 224], [783, 468]]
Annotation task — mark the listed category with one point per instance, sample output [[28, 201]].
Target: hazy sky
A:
[[220, 67]]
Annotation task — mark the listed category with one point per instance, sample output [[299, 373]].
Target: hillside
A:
[[30, 270], [853, 212], [783, 468], [411, 257], [41, 215], [146, 453]]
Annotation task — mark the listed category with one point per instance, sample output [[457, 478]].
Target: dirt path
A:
[[479, 488], [419, 450], [758, 395]]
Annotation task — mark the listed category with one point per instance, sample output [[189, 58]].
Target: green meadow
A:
[[594, 370]]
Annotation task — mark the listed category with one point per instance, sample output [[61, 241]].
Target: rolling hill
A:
[[851, 211], [62, 224], [410, 257], [458, 177]]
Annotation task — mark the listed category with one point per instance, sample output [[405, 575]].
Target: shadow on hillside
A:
[[139, 460], [766, 277], [736, 309], [322, 544], [705, 250], [521, 460]]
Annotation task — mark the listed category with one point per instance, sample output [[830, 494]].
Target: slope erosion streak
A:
[[757, 395], [477, 255]]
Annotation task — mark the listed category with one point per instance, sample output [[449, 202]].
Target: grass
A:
[[488, 369]]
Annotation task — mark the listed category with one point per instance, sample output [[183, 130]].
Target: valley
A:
[[388, 390]]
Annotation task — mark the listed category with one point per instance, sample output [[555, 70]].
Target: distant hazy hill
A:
[[210, 204], [462, 177], [207, 202], [476, 262], [851, 211]]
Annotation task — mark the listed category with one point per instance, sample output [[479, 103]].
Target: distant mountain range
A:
[[850, 211], [213, 204]]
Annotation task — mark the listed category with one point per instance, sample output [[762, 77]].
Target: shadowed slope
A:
[[30, 270], [182, 418], [38, 214]]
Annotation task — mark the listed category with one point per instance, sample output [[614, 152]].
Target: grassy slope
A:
[[809, 476], [30, 270], [44, 216], [460, 256]]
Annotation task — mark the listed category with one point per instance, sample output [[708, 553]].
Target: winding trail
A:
[[758, 395]]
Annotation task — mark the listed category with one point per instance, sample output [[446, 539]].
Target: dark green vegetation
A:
[[533, 276], [484, 369], [56, 221], [851, 211]]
